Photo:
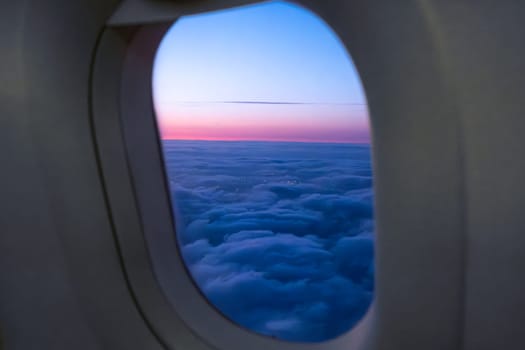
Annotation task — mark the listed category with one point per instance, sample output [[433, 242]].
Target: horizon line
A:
[[270, 141]]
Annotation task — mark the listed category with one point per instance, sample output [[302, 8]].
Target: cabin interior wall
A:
[[61, 281]]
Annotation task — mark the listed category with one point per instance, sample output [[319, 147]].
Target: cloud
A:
[[279, 237]]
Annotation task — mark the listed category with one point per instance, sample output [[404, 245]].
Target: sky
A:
[[269, 72]]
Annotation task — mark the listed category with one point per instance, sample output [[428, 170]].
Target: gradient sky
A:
[[272, 72]]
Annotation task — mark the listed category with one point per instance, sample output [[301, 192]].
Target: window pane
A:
[[266, 142]]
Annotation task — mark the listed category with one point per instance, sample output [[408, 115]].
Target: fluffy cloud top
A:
[[278, 236]]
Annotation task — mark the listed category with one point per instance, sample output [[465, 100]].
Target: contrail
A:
[[270, 103]]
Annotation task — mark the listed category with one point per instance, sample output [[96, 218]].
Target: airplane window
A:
[[266, 142]]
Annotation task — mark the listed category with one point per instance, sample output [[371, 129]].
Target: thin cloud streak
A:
[[271, 103]]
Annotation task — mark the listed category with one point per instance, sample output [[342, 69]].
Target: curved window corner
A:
[[265, 133]]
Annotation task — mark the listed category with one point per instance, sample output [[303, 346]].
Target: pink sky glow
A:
[[235, 122]]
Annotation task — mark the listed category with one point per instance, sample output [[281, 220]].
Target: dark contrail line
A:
[[271, 103]]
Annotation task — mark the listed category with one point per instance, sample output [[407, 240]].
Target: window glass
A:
[[266, 142]]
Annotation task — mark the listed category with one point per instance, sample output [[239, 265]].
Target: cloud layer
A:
[[278, 236]]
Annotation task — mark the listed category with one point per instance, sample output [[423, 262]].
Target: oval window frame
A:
[[122, 103], [344, 59]]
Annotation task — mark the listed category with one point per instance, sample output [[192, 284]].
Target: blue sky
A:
[[270, 52]]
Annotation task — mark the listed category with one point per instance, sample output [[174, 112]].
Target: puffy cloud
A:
[[277, 236]]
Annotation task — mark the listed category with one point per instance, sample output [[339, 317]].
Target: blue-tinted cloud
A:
[[278, 236]]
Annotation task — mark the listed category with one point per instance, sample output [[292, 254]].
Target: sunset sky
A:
[[270, 72]]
